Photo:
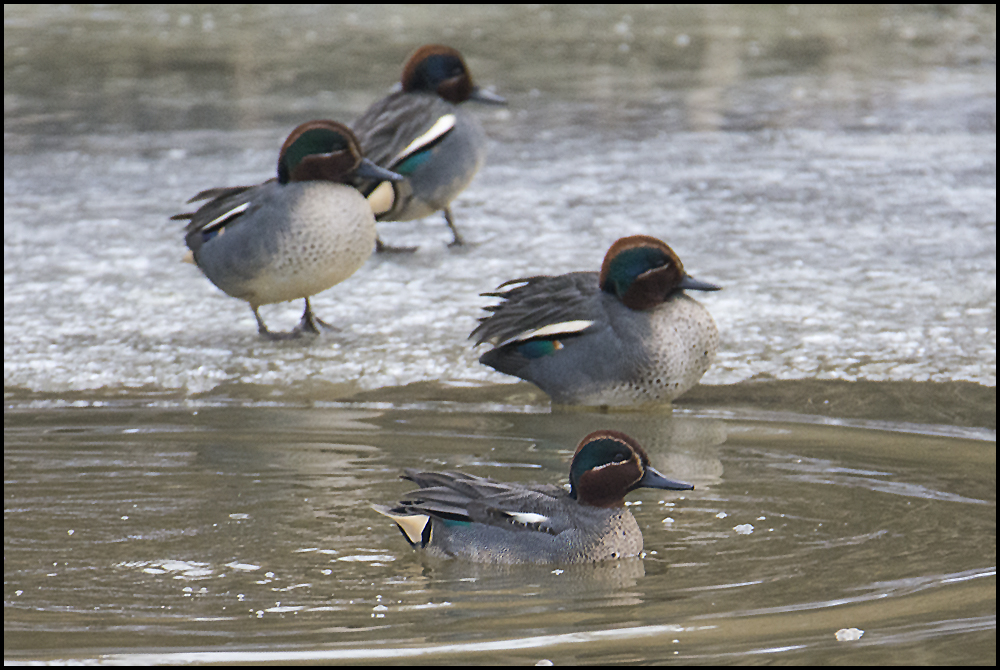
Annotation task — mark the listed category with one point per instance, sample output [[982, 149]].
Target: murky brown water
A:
[[242, 532], [178, 491]]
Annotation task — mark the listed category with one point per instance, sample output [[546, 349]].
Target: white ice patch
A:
[[849, 634]]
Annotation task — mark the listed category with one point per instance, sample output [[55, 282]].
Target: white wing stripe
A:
[[528, 518], [440, 127], [220, 220], [564, 328]]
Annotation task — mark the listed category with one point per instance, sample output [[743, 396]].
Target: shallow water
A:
[[833, 168], [243, 533]]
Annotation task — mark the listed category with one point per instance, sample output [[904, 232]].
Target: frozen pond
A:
[[849, 214], [834, 169]]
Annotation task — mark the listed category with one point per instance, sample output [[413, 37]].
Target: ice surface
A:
[[833, 170], [841, 256]]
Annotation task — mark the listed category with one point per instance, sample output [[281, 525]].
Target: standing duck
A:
[[463, 516], [625, 336], [421, 132], [293, 236]]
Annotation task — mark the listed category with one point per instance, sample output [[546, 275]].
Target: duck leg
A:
[[310, 323], [262, 329], [458, 241]]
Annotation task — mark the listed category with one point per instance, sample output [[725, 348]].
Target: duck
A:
[[628, 335], [460, 515], [292, 236], [421, 132]]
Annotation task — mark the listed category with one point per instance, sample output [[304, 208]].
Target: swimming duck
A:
[[627, 335], [421, 132], [460, 515], [293, 236]]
